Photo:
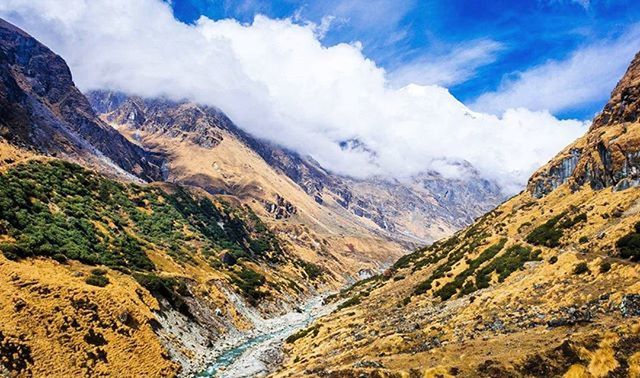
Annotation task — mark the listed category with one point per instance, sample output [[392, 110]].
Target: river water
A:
[[256, 354]]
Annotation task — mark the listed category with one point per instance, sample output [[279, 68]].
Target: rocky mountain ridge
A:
[[41, 109], [398, 209], [609, 154]]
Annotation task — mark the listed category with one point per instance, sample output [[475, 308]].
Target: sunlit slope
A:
[[547, 284]]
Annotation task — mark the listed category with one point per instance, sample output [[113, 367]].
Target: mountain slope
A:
[[422, 209], [100, 270], [544, 285], [41, 109]]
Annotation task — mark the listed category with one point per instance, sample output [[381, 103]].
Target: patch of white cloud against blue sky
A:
[[499, 49], [503, 85]]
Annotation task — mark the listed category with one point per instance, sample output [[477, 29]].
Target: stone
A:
[[630, 305]]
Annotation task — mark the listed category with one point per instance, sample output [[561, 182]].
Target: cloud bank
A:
[[585, 77], [275, 79]]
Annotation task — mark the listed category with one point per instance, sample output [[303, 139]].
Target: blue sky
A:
[[389, 73], [510, 36]]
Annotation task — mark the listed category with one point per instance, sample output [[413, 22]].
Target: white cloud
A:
[[276, 80], [451, 68], [586, 76]]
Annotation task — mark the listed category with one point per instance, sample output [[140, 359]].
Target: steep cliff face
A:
[[40, 108], [421, 209], [609, 154]]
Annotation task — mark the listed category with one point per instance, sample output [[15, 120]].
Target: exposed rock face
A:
[[281, 208], [420, 209], [40, 108], [609, 155], [181, 120]]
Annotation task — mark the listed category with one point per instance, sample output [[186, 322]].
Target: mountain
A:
[[41, 109], [420, 210], [544, 285], [102, 272]]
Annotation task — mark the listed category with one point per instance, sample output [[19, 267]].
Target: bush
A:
[[302, 333], [100, 281], [546, 234], [167, 287], [350, 302], [98, 272], [629, 245], [312, 271], [249, 281], [423, 287], [59, 257], [605, 266], [553, 260], [581, 268], [583, 239]]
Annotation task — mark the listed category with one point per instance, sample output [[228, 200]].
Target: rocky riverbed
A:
[[256, 352]]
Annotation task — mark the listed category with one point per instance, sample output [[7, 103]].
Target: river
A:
[[258, 352]]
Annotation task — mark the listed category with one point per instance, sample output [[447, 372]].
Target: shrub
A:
[[629, 245], [59, 257], [581, 268], [423, 287], [605, 266], [583, 239], [249, 281], [350, 302], [167, 287], [100, 281], [303, 333], [312, 271], [546, 234], [553, 260], [98, 272]]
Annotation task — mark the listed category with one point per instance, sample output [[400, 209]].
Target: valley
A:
[[151, 236]]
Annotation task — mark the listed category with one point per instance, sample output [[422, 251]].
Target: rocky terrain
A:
[[420, 210], [42, 110], [544, 285], [101, 269]]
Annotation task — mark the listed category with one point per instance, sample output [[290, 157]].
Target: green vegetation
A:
[[553, 260], [312, 271], [546, 234], [451, 288], [313, 330], [97, 279], [513, 259], [629, 245], [357, 299], [549, 233], [581, 268], [172, 289], [605, 266], [60, 209], [249, 282], [583, 239]]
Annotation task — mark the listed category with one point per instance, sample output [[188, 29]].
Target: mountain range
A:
[[150, 236]]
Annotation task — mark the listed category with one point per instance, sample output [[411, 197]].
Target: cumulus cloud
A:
[[454, 67], [585, 77], [275, 79]]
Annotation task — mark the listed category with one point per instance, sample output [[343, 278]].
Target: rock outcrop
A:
[[609, 154], [41, 109]]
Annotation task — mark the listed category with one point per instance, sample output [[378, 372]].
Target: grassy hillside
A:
[[145, 247]]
